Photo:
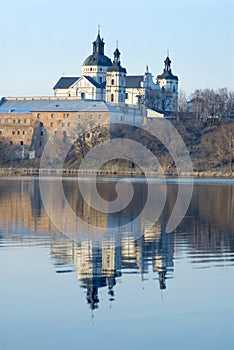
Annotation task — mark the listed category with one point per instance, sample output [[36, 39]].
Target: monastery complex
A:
[[102, 94]]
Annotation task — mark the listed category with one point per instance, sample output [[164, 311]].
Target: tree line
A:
[[208, 103]]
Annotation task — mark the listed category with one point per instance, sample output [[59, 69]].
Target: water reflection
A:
[[205, 236]]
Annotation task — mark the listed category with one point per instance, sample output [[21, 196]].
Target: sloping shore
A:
[[134, 173]]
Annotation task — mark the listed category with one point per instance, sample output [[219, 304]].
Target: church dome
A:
[[167, 73], [97, 60]]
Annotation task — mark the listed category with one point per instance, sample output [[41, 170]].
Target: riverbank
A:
[[74, 172]]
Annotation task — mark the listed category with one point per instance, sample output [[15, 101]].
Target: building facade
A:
[[106, 80], [30, 121]]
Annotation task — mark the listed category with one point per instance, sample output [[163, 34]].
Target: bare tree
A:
[[182, 101], [210, 103]]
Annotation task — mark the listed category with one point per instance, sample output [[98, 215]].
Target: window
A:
[[51, 124], [13, 132], [91, 116], [23, 132], [64, 133], [0, 132], [38, 115], [88, 135], [21, 143], [11, 142], [14, 121], [100, 79], [79, 116], [52, 115], [99, 117], [18, 132], [100, 69], [68, 124], [126, 95], [18, 121], [25, 121], [91, 69], [63, 124], [112, 97], [82, 95], [42, 133], [112, 81]]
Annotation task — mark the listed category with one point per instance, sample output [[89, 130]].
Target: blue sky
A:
[[43, 39]]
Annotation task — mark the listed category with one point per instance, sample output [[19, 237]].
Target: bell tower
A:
[[116, 80]]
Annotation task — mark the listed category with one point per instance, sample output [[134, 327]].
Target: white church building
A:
[[105, 80]]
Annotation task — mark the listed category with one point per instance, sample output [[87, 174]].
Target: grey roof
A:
[[116, 67], [97, 60], [52, 105], [65, 82], [134, 81], [93, 81], [167, 75]]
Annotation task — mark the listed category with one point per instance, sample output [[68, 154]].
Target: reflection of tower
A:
[[164, 258], [163, 251], [92, 293], [98, 267]]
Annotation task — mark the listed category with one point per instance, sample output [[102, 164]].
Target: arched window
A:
[[112, 81], [82, 95], [112, 97]]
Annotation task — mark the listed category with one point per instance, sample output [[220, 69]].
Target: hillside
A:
[[210, 144]]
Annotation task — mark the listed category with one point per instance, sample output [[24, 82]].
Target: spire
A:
[[167, 63], [98, 44], [117, 54], [116, 65]]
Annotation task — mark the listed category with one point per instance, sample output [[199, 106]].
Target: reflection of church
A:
[[99, 266], [106, 80]]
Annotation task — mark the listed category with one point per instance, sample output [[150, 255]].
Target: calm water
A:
[[153, 291]]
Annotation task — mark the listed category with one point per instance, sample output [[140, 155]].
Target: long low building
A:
[[29, 121]]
